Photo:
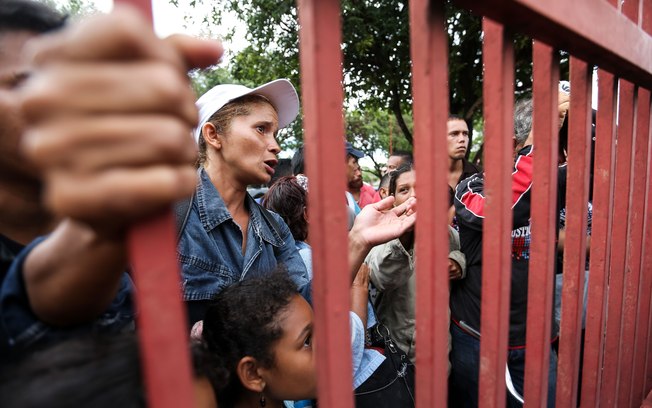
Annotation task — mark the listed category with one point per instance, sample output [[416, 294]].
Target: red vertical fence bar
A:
[[577, 193], [634, 249], [603, 188], [642, 318], [428, 42], [647, 265], [543, 252], [498, 89], [641, 349], [155, 272], [321, 84], [618, 241], [631, 9]]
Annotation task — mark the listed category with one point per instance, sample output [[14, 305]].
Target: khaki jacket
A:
[[392, 273]]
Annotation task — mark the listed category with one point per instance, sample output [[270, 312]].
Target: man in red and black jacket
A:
[[465, 297]]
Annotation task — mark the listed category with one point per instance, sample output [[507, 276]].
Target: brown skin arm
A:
[[65, 280], [109, 158], [360, 293]]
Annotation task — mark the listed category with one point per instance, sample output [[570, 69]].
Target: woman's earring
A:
[[262, 400]]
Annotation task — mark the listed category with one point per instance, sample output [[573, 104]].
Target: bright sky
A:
[[169, 19]]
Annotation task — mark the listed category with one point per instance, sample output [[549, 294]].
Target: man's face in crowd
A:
[[393, 163], [353, 173], [458, 138], [13, 70], [22, 216]]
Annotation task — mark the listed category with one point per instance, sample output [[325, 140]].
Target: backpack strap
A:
[[182, 212]]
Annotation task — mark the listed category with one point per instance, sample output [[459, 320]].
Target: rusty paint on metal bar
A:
[[634, 249], [322, 95], [498, 89], [161, 319], [603, 188], [626, 51], [543, 253], [429, 44], [622, 195], [577, 197], [640, 345]]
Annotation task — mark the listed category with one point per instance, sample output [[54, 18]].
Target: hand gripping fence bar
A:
[[161, 321]]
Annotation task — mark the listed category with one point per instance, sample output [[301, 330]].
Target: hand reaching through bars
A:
[[109, 113], [376, 224], [382, 222]]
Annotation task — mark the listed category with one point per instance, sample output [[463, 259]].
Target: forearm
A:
[[358, 250], [359, 297], [73, 276]]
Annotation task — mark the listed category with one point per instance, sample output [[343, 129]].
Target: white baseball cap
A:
[[279, 92]]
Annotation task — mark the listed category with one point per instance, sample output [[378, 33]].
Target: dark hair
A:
[[297, 162], [243, 320], [94, 371], [395, 175], [208, 365], [384, 181], [404, 155], [455, 116], [282, 169], [28, 15], [289, 200]]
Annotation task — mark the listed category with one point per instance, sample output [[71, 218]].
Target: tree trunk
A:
[[396, 109]]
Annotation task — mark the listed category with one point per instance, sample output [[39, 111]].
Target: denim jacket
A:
[[210, 246], [21, 330]]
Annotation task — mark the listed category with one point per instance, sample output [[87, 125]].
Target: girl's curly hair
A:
[[244, 320]]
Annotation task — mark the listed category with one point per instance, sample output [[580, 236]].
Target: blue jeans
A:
[[465, 362]]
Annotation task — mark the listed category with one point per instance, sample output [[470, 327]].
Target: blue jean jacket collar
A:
[[213, 211]]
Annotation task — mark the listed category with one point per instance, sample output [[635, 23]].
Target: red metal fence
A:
[[617, 370]]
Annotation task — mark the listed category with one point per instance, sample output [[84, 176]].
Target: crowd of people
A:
[[97, 119]]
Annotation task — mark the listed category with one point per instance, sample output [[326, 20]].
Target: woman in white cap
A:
[[227, 236]]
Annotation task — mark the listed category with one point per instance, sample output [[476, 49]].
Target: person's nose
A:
[[274, 146]]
